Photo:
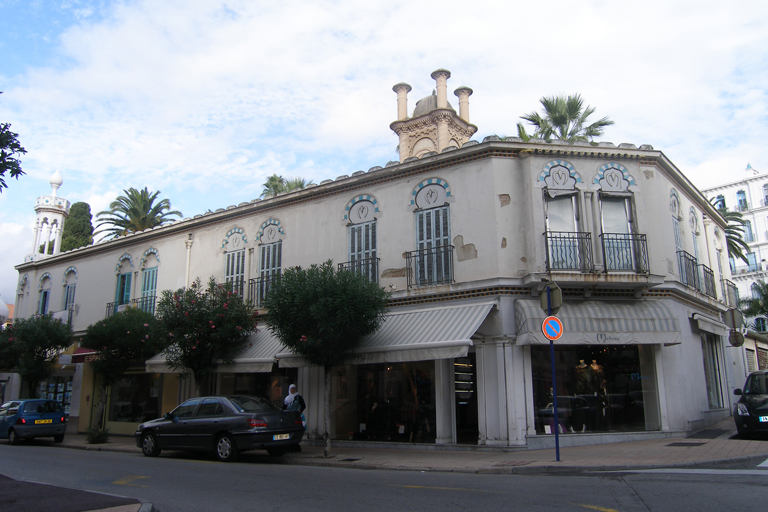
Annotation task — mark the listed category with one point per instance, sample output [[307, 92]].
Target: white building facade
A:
[[465, 235]]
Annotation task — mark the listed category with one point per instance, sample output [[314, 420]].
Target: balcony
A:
[[745, 269], [689, 275], [707, 281], [429, 267], [569, 251], [625, 253], [742, 206], [238, 285], [144, 303], [369, 267], [730, 293], [65, 315], [259, 288]]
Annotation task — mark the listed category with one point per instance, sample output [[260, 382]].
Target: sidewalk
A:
[[666, 452]]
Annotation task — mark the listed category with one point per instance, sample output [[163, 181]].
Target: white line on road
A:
[[764, 464]]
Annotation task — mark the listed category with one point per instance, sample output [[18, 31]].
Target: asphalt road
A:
[[183, 482]]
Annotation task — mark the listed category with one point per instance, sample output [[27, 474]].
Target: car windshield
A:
[[251, 404], [42, 407], [756, 384]]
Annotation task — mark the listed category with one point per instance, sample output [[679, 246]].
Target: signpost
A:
[[552, 328], [733, 318]]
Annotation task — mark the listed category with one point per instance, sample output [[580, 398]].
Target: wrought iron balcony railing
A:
[[238, 285], [259, 288], [369, 267], [625, 253], [742, 206], [429, 267], [745, 269], [689, 274], [730, 293], [144, 303], [569, 251], [707, 281]]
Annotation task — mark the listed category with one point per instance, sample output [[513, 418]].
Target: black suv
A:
[[751, 411]]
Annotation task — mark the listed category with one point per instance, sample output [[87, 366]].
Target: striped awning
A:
[[257, 356], [642, 322], [416, 335]]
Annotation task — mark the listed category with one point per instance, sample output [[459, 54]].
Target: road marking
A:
[[440, 488], [764, 464], [595, 507], [127, 481]]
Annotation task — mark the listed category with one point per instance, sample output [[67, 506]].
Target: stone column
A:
[[443, 137], [46, 238], [56, 239], [463, 93], [36, 238], [402, 91], [441, 77]]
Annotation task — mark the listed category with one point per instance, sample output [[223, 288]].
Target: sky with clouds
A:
[[204, 99]]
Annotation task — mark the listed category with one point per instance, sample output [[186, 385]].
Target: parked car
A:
[[225, 425], [28, 419], [751, 411]]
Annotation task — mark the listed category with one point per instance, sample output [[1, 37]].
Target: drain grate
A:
[[512, 463], [349, 460], [686, 444]]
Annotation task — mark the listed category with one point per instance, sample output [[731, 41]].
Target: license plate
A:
[[763, 419], [280, 437], [38, 422]]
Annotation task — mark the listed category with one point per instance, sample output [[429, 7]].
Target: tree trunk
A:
[[327, 410], [96, 419]]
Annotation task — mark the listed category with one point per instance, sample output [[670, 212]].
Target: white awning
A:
[[708, 324], [416, 335], [257, 356], [601, 323]]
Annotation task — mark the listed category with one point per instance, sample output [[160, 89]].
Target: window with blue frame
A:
[[760, 324], [741, 200], [123, 291], [748, 234], [720, 202], [752, 261]]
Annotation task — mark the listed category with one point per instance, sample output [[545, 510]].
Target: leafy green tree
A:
[[564, 118], [135, 211], [78, 230], [323, 314], [9, 351], [205, 327], [122, 340], [38, 340], [10, 150], [277, 184]]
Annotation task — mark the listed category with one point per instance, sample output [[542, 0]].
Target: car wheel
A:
[[59, 438], [226, 449], [13, 438], [149, 446], [276, 452]]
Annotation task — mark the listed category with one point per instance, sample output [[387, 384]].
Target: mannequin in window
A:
[[583, 378]]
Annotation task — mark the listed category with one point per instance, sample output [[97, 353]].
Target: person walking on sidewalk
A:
[[294, 402]]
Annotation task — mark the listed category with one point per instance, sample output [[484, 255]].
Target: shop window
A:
[[712, 371], [57, 388], [599, 389], [384, 402], [135, 398], [272, 386]]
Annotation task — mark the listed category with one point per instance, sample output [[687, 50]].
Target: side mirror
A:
[[167, 416], [737, 392]]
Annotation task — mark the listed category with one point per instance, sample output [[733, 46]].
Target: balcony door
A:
[[617, 233], [562, 232], [362, 249], [123, 292], [149, 289], [433, 240], [270, 266]]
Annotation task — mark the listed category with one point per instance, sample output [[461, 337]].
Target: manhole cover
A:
[[686, 444]]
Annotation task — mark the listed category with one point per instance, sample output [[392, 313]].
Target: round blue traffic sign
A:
[[552, 328]]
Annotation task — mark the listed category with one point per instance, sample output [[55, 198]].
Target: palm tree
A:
[[277, 184], [734, 233], [135, 211], [757, 305], [565, 118]]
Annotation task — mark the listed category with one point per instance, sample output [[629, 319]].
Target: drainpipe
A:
[[189, 243]]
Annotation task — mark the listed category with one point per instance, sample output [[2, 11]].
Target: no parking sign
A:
[[552, 328]]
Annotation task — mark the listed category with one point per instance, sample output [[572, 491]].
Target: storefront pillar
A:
[[661, 388], [492, 394], [444, 402], [311, 386], [516, 393]]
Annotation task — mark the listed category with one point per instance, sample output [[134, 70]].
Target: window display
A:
[[135, 398], [53, 389], [599, 389], [384, 402], [272, 386]]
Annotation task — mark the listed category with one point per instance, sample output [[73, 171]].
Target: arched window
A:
[[432, 261], [45, 294], [234, 268], [361, 214], [760, 324], [270, 238]]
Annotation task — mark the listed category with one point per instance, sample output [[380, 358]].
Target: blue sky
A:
[[203, 100]]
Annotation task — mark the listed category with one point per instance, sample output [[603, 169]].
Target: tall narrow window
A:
[[618, 243], [362, 250], [433, 245], [149, 289], [712, 371], [720, 202], [748, 234], [741, 201], [765, 194], [563, 237], [123, 291], [751, 262], [42, 307], [235, 270], [270, 266], [69, 296]]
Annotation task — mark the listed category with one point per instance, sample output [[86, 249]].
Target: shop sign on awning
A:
[[641, 322]]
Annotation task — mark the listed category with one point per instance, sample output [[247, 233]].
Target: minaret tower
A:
[[51, 212], [434, 125]]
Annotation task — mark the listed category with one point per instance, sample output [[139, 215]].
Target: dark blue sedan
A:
[[28, 419], [224, 425]]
